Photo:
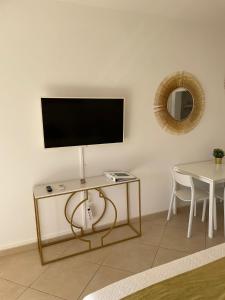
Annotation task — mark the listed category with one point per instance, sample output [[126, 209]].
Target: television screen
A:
[[82, 121]]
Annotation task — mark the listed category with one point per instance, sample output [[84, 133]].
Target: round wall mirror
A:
[[180, 104]]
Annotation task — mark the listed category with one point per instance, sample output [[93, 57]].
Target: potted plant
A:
[[218, 155]]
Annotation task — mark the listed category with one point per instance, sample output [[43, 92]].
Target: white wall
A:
[[54, 48]]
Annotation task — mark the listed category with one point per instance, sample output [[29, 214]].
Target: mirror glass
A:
[[180, 104]]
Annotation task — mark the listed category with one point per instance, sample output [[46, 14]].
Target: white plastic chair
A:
[[184, 189]]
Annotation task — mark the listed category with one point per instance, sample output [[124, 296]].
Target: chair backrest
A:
[[183, 179]]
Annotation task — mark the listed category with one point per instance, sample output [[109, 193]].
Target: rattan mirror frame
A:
[[166, 87]]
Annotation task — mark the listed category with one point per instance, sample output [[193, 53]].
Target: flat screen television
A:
[[82, 121]]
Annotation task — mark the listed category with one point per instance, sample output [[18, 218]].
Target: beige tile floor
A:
[[22, 277]]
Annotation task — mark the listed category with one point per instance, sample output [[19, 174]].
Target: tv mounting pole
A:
[[82, 181], [82, 165]]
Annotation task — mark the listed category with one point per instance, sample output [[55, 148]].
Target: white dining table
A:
[[209, 172]]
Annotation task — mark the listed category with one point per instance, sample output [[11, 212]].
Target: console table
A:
[[71, 188]]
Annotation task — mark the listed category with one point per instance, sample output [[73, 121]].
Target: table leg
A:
[[139, 204], [38, 229], [128, 203], [211, 205]]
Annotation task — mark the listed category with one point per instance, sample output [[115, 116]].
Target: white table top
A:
[[204, 170], [74, 185]]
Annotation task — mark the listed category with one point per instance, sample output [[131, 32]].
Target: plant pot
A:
[[218, 160]]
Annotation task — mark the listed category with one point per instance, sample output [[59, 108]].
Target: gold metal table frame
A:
[[82, 236]]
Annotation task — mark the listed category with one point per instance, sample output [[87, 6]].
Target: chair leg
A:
[[171, 206], [204, 210], [195, 209], [190, 218], [175, 205], [215, 214]]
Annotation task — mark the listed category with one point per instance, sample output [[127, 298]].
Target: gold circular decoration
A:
[[168, 85]]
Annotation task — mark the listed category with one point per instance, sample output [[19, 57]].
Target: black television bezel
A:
[[89, 98]]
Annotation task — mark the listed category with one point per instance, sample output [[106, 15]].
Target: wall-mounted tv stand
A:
[[82, 164], [82, 181], [81, 239]]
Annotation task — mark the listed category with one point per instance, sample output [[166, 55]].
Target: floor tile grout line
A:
[[164, 229], [121, 270], [21, 293], [11, 281], [45, 269], [163, 224], [109, 267], [174, 249], [48, 266], [40, 292], [43, 292], [191, 252], [89, 281], [147, 244], [204, 223], [29, 285], [153, 261], [107, 255]]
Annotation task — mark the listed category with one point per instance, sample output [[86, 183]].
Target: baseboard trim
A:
[[33, 245], [18, 249]]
